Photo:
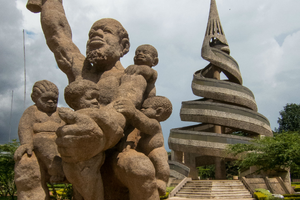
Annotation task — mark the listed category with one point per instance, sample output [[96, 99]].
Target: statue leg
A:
[[86, 178], [113, 188], [46, 150], [30, 179], [137, 85], [137, 173], [159, 158]]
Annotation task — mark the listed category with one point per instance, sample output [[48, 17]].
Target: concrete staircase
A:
[[213, 189]]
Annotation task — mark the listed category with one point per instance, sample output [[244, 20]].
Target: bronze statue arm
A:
[[58, 35]]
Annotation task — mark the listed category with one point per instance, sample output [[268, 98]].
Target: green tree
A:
[[289, 119], [280, 151], [7, 163], [207, 171]]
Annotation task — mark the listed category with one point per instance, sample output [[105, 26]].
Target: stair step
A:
[[208, 198], [225, 187], [186, 198], [214, 190], [216, 184], [214, 196]]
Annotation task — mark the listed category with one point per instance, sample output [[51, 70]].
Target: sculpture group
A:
[[110, 144]]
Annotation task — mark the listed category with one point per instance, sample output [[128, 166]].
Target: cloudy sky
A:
[[264, 38]]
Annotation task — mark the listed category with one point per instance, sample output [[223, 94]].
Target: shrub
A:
[[7, 163], [165, 196], [260, 196], [61, 191], [297, 188], [263, 194], [291, 196], [168, 190]]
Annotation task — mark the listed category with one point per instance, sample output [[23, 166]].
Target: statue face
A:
[[89, 99], [104, 43], [103, 34], [144, 56], [148, 110], [47, 102]]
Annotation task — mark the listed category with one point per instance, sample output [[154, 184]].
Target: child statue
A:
[[83, 97], [37, 159], [151, 142]]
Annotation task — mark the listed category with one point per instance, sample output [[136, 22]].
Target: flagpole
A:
[[11, 108], [24, 68]]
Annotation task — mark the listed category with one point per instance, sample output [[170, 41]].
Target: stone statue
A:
[[151, 141], [98, 129], [145, 58], [37, 159], [83, 97]]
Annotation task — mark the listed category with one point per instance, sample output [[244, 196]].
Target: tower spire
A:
[[214, 35]]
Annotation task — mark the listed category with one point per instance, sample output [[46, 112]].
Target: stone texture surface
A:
[[111, 145], [226, 106], [37, 159]]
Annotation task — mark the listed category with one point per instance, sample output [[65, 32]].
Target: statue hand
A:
[[21, 150], [34, 6], [80, 139], [143, 70], [125, 107]]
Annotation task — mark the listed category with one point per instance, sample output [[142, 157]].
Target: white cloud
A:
[[263, 37]]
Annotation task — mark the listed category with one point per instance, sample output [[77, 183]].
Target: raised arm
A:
[[58, 36]]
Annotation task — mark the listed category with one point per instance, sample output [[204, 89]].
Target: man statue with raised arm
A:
[[108, 42]]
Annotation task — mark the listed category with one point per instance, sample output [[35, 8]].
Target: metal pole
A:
[[24, 68], [11, 108]]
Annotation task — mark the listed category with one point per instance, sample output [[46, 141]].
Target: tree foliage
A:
[[281, 151], [206, 172], [7, 163], [289, 119]]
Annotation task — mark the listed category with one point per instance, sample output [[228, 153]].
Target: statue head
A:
[[157, 107], [146, 54], [108, 42], [45, 95], [82, 94]]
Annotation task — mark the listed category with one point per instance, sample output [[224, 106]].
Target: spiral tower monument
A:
[[226, 107]]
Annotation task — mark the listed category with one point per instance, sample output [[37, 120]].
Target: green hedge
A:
[[291, 196], [60, 191], [296, 186], [263, 194], [168, 190], [260, 196]]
